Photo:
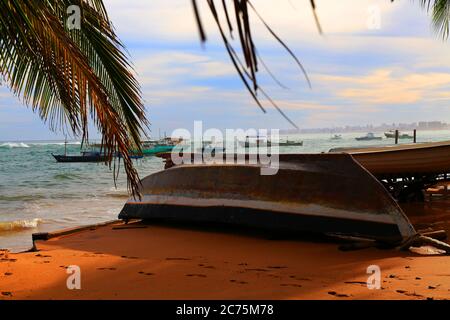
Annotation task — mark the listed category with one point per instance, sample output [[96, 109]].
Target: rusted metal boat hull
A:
[[321, 193]]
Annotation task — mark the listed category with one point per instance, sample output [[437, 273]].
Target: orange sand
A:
[[173, 262]]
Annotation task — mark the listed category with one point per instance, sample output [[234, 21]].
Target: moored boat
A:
[[336, 137], [85, 156], [319, 193], [368, 137], [391, 134], [290, 143]]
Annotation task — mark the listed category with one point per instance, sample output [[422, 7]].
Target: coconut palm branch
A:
[[237, 16], [71, 76], [440, 10]]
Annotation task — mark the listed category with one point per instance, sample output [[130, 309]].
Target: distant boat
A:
[[251, 142], [153, 147], [290, 143], [367, 137], [391, 134], [85, 156], [336, 137]]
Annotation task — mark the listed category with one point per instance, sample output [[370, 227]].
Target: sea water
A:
[[37, 194]]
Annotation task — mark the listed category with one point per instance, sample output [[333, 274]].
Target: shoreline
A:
[[174, 261]]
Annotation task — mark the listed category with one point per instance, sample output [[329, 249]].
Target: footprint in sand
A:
[[238, 282], [291, 285], [126, 257], [299, 278], [256, 269], [8, 274], [339, 295], [106, 269], [206, 267], [179, 259], [6, 294], [196, 275], [277, 267], [409, 294], [146, 273]]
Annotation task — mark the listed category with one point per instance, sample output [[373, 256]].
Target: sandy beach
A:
[[166, 261]]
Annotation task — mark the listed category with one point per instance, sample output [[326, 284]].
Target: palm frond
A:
[[71, 76], [440, 10], [247, 70]]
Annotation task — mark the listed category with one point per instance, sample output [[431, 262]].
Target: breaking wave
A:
[[14, 145], [19, 224]]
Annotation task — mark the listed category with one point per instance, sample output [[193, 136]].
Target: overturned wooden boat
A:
[[405, 170], [319, 193], [424, 158]]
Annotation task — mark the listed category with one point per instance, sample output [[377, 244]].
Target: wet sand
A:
[[163, 261]]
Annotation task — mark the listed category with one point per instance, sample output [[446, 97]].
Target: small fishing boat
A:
[[153, 147], [391, 134], [254, 142], [85, 156], [290, 143], [336, 137], [313, 193], [368, 137]]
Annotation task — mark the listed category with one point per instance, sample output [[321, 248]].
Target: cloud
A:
[[390, 86], [145, 20]]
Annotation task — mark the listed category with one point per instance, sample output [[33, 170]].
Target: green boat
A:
[[153, 147], [157, 149]]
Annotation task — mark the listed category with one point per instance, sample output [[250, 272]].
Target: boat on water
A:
[[314, 193], [368, 137], [391, 134], [255, 142], [85, 156], [290, 143], [153, 147], [336, 137]]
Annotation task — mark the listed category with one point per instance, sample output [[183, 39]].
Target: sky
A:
[[377, 62]]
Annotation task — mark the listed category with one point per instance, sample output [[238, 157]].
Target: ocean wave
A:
[[14, 145], [75, 143], [66, 176], [19, 224]]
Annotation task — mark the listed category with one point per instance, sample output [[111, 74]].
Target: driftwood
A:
[[420, 240]]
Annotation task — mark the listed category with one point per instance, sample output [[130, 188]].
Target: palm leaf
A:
[[440, 10], [69, 77], [248, 70]]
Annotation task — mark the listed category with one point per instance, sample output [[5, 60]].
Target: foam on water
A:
[[14, 145], [19, 225]]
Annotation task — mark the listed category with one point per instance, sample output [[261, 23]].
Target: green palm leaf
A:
[[69, 77]]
